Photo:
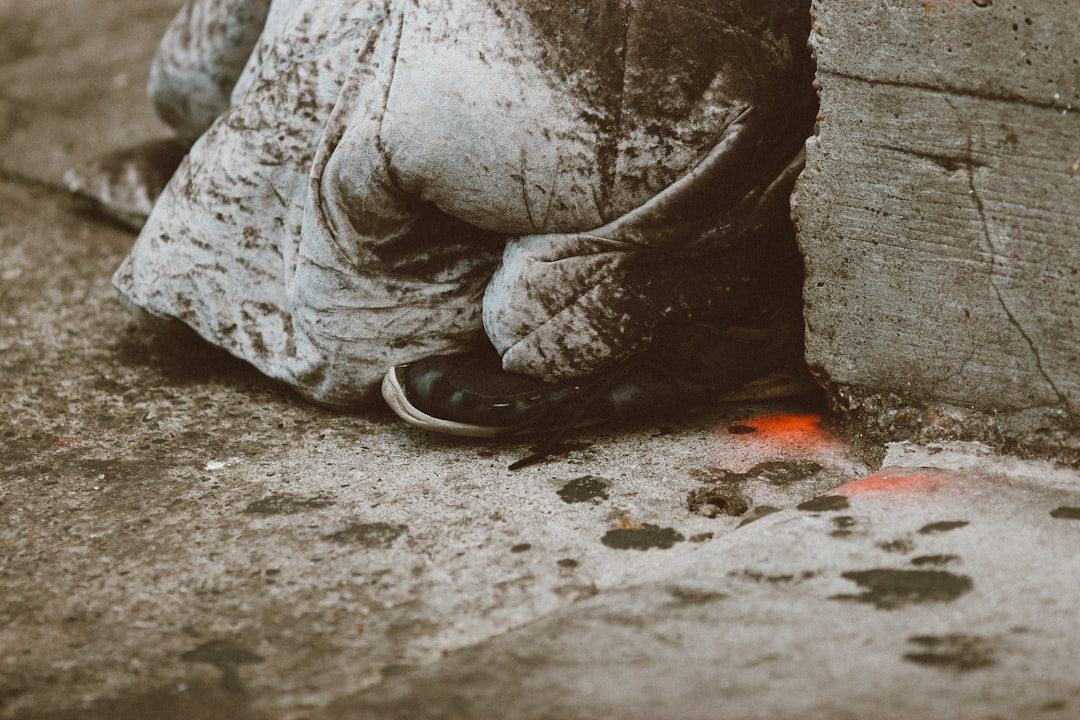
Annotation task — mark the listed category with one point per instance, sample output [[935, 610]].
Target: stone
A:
[[938, 215]]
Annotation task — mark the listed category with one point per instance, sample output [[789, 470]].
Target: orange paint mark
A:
[[897, 480], [785, 432], [929, 5], [67, 441]]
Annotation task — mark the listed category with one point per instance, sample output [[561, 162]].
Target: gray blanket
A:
[[371, 182]]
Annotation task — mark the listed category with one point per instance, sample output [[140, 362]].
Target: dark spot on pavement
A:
[[521, 547], [120, 470], [825, 503], [226, 656], [641, 538], [1055, 705], [701, 537], [712, 502], [584, 489], [843, 525], [286, 504], [738, 429], [890, 589], [692, 596], [934, 559], [774, 473], [953, 652], [897, 546], [567, 563], [782, 578], [759, 512], [944, 526], [369, 535], [1066, 513]]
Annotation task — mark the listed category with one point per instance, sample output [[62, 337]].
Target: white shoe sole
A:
[[395, 397]]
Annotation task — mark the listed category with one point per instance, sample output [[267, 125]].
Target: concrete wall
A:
[[940, 218]]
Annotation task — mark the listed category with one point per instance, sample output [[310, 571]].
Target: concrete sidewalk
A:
[[181, 538]]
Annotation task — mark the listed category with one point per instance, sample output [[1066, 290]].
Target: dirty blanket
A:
[[372, 182]]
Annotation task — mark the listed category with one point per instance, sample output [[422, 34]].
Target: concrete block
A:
[[938, 215]]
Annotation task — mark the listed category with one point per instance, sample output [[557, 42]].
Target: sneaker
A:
[[689, 366], [472, 396]]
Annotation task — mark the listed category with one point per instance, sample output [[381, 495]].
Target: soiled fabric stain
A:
[[644, 537], [825, 503], [889, 589], [952, 652], [377, 535]]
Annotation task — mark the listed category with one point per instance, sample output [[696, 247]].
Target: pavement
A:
[[182, 538]]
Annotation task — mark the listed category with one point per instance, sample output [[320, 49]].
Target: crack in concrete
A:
[[949, 375], [980, 208]]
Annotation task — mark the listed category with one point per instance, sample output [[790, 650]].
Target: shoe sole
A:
[[394, 395], [770, 387]]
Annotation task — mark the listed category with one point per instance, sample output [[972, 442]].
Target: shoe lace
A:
[[579, 406]]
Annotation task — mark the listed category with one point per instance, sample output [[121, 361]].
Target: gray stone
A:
[[938, 216]]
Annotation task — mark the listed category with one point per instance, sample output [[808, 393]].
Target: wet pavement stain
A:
[[713, 502], [934, 560], [825, 503], [759, 512], [888, 589], [781, 579], [683, 596], [897, 546], [1066, 513], [584, 489], [773, 472], [206, 701], [842, 525], [377, 535], [285, 504], [120, 470], [952, 652], [644, 537], [227, 657], [521, 547], [944, 526]]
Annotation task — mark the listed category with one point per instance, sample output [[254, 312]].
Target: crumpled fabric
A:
[[373, 182]]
